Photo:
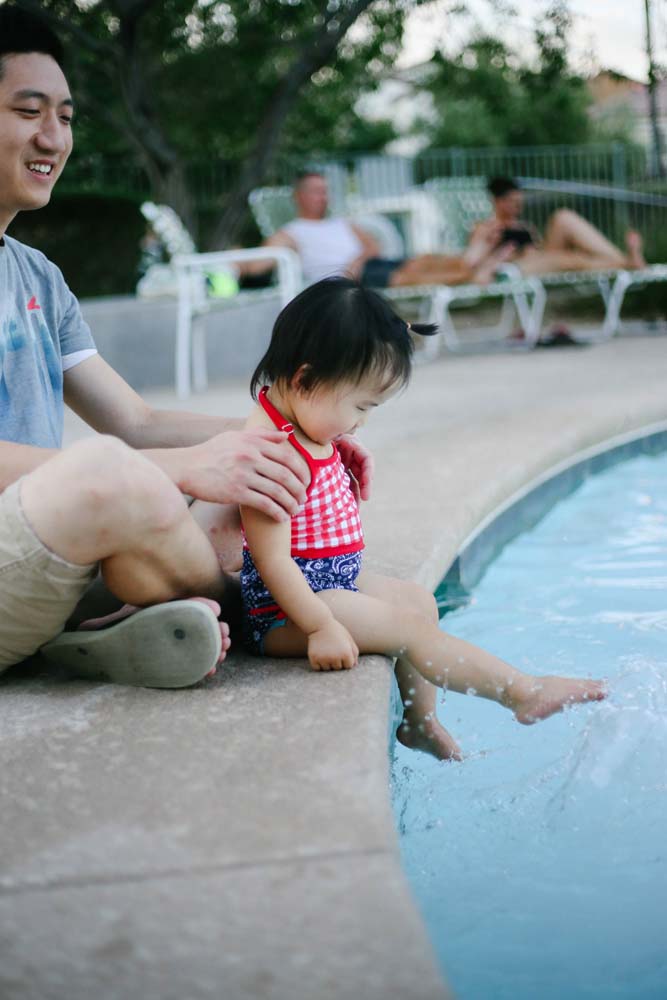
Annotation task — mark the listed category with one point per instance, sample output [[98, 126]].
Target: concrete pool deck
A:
[[236, 841]]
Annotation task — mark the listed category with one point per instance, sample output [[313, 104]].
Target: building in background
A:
[[621, 104]]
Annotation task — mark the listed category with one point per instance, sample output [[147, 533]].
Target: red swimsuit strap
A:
[[276, 417]]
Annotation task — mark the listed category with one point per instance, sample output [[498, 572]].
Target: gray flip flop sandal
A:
[[169, 645]]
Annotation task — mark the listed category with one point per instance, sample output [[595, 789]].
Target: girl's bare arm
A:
[[329, 643]]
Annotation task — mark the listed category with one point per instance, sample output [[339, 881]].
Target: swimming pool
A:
[[540, 863]]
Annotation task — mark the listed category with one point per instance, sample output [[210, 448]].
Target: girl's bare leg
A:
[[380, 627], [420, 728]]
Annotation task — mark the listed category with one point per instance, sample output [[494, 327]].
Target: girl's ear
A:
[[297, 380]]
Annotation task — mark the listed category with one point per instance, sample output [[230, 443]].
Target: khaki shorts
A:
[[38, 589]]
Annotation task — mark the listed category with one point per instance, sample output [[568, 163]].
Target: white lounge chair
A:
[[465, 201], [418, 210]]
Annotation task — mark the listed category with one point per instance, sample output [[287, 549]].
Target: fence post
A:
[[619, 179], [458, 161]]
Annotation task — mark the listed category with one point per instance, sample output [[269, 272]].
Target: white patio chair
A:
[[195, 302]]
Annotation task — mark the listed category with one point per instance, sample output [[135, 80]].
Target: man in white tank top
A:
[[336, 246]]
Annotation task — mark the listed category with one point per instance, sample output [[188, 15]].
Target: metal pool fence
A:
[[610, 184]]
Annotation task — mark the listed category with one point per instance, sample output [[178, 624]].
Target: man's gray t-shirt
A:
[[42, 334]]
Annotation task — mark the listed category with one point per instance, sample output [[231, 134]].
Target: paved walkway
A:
[[236, 841]]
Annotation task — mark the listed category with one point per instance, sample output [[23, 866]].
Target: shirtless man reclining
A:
[[570, 243]]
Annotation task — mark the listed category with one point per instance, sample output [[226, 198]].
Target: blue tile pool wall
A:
[[475, 558]]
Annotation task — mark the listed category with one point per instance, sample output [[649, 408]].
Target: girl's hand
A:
[[359, 462], [332, 648]]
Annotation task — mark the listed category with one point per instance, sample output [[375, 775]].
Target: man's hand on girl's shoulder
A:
[[256, 468]]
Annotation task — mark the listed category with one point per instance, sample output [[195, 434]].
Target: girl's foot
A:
[[635, 247], [429, 737], [548, 695]]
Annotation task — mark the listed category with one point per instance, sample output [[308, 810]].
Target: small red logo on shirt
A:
[[33, 304]]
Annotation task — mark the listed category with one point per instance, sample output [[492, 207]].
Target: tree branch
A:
[[313, 55], [60, 22]]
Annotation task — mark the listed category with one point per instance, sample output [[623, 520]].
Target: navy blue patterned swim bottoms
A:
[[260, 611]]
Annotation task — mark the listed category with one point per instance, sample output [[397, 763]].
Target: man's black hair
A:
[[22, 31], [500, 186], [337, 331]]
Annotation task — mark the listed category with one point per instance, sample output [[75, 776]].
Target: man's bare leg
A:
[[485, 271], [535, 262], [221, 523], [432, 269], [420, 728], [569, 231], [477, 265], [635, 248], [100, 501]]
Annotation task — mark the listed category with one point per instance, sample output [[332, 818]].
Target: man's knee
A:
[[97, 494], [119, 483], [563, 217]]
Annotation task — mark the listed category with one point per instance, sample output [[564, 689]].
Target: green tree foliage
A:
[[169, 82], [556, 97], [487, 96]]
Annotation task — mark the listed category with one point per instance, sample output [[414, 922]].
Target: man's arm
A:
[[279, 239], [18, 460], [101, 397], [370, 248], [209, 457]]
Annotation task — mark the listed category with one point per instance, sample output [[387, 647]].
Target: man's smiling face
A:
[[35, 131]]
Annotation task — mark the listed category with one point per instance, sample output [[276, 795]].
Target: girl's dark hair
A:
[[22, 31], [337, 330]]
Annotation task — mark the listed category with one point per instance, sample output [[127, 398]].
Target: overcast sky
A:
[[612, 30]]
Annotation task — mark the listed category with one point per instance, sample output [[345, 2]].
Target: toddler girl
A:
[[337, 352]]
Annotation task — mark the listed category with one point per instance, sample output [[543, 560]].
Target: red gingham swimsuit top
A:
[[328, 523]]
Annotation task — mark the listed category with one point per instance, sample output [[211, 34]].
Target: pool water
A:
[[540, 862]]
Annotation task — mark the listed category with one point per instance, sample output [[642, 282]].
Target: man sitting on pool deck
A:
[[570, 242], [336, 246], [113, 503]]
